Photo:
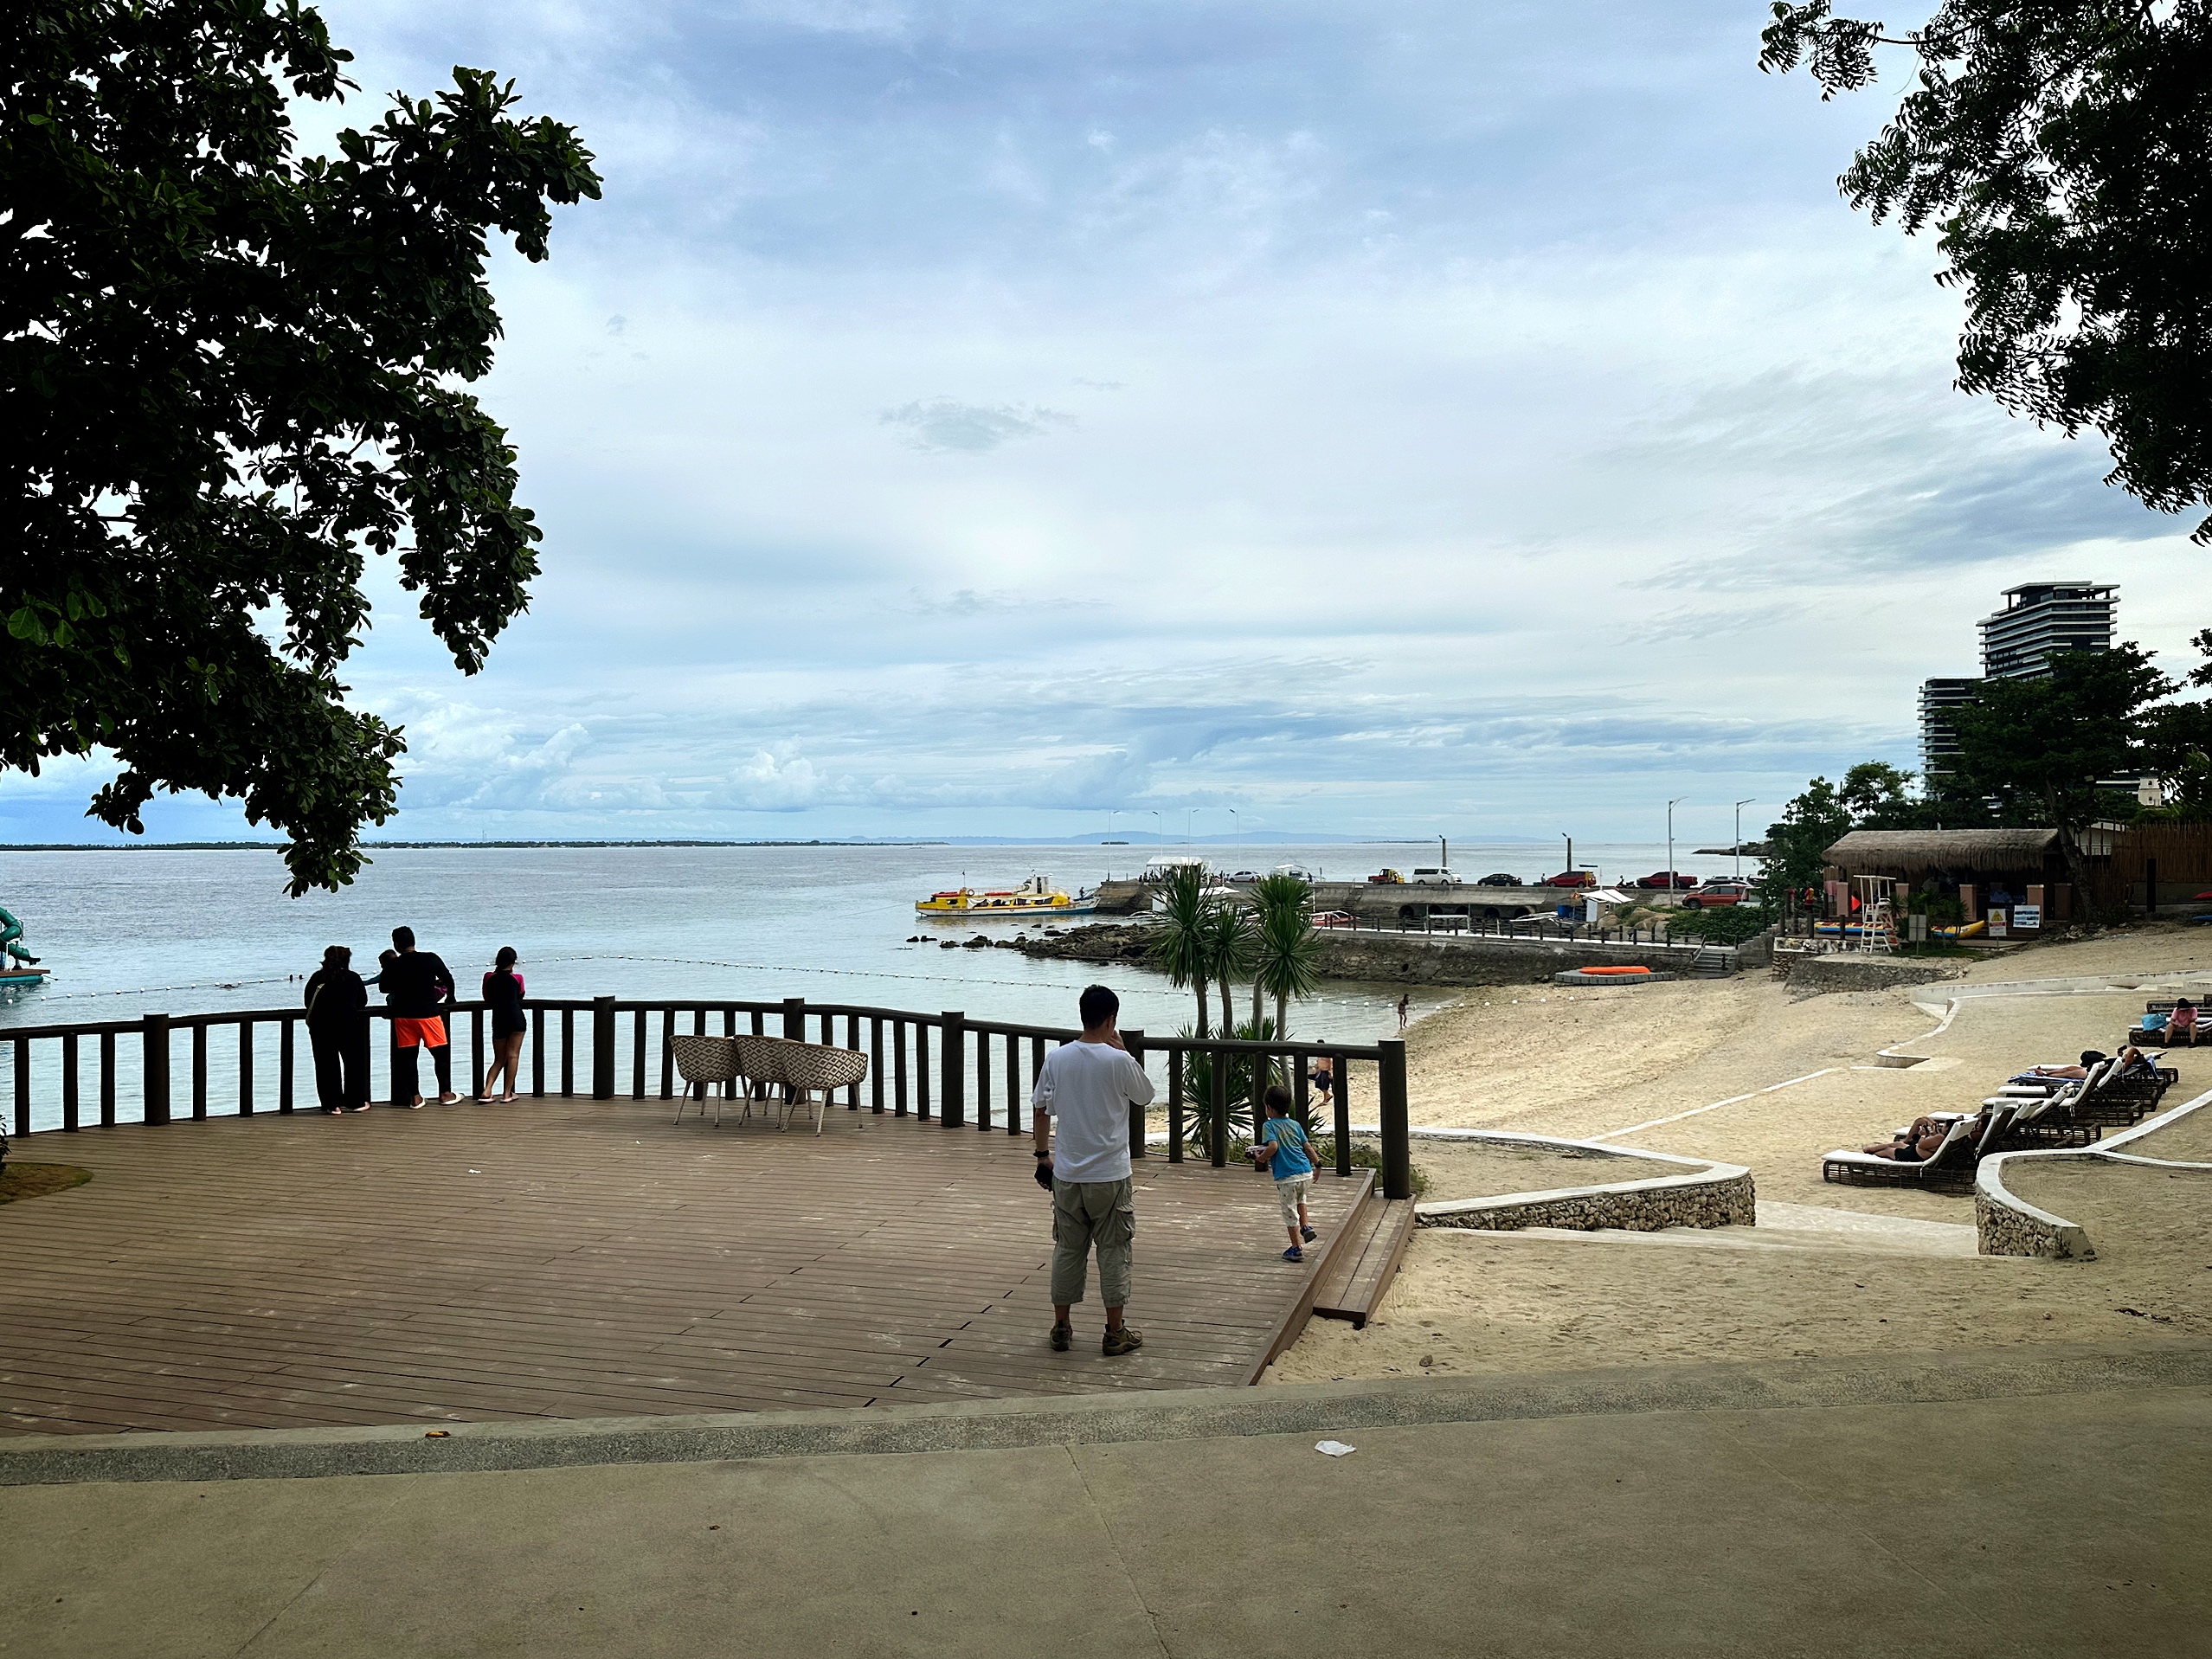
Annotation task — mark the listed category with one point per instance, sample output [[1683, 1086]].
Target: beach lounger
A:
[[1949, 1169]]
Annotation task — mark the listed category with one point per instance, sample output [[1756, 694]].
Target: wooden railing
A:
[[919, 1065]]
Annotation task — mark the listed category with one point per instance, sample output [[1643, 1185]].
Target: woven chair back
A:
[[761, 1058], [816, 1065], [706, 1059]]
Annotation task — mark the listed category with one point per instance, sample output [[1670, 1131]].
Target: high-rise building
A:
[[1938, 743], [2043, 617]]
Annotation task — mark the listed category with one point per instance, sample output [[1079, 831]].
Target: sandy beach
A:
[[1742, 1071]]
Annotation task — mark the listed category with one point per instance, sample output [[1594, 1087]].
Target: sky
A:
[[1387, 420]]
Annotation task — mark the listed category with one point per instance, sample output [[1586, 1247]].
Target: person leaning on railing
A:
[[338, 1030], [1091, 1086]]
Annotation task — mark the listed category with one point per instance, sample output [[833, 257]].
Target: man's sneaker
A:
[[1121, 1340], [1307, 1234], [1294, 1254], [1062, 1336]]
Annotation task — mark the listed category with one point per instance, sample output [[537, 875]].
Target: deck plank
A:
[[567, 1258]]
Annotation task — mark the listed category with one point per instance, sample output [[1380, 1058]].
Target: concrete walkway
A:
[[2046, 1502]]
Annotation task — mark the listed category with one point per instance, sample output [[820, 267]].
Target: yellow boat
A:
[[1036, 897]]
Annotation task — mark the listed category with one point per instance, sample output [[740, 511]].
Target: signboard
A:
[[1917, 927], [1997, 924], [2027, 917]]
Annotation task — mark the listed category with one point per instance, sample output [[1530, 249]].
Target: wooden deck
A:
[[568, 1258]]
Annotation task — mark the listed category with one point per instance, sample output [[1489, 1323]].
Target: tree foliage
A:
[[1287, 958], [1179, 946], [236, 370], [2039, 746], [2063, 150]]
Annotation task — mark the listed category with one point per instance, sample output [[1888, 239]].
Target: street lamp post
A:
[[1236, 828], [1569, 839], [1671, 805], [1736, 847], [1159, 826]]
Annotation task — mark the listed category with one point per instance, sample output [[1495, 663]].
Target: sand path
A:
[[1741, 1072]]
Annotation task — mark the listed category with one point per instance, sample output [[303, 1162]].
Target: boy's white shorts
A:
[[1290, 1192]]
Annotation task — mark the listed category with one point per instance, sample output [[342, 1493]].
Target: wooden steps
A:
[[1364, 1258]]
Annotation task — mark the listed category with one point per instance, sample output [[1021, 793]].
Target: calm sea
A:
[[131, 932]]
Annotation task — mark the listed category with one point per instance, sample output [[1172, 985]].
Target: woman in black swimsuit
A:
[[502, 993]]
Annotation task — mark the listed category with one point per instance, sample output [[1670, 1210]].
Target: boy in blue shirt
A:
[[1282, 1151]]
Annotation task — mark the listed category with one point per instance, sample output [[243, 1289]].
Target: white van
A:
[[1435, 878]]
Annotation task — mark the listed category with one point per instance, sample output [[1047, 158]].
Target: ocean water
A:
[[131, 932]]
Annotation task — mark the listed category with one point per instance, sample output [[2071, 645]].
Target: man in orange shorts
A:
[[418, 985]]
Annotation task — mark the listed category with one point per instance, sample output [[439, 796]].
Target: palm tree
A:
[[1180, 946], [1287, 956], [1232, 945]]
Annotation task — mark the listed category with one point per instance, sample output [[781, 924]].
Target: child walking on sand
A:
[[1282, 1151]]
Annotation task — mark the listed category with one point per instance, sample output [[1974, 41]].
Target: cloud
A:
[[940, 426], [1481, 423]]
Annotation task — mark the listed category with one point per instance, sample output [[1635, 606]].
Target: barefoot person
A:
[[418, 985], [1091, 1086], [502, 993]]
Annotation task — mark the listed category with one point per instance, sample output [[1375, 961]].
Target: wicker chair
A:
[[759, 1064], [814, 1072], [701, 1061]]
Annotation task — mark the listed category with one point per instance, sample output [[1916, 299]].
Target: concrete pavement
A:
[[2002, 1504]]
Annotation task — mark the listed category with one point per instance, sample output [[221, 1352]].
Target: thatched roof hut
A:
[[1914, 852]]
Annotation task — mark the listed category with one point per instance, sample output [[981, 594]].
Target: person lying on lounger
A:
[[2134, 1063], [1918, 1144], [2089, 1056]]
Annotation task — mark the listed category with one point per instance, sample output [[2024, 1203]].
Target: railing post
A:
[[1396, 1149], [602, 1048], [1218, 1109], [1174, 1105], [795, 1019], [23, 1088], [1134, 1041], [952, 1059], [154, 1074], [286, 1052]]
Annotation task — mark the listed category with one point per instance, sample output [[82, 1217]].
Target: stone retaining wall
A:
[[2007, 1225], [1857, 971], [1704, 1195]]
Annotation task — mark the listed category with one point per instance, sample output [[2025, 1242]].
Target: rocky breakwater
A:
[[1387, 958]]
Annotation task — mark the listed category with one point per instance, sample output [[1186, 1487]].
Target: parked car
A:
[[1335, 919], [1436, 876], [1387, 878], [1571, 878], [1245, 875], [1501, 880], [1663, 878], [1716, 894]]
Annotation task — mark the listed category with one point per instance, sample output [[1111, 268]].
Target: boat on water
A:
[[1036, 897]]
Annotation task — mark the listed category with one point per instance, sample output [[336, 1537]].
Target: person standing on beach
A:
[[1405, 1010], [418, 985], [337, 1029], [1091, 1086], [502, 993]]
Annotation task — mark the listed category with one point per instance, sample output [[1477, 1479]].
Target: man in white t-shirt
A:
[[1091, 1086]]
